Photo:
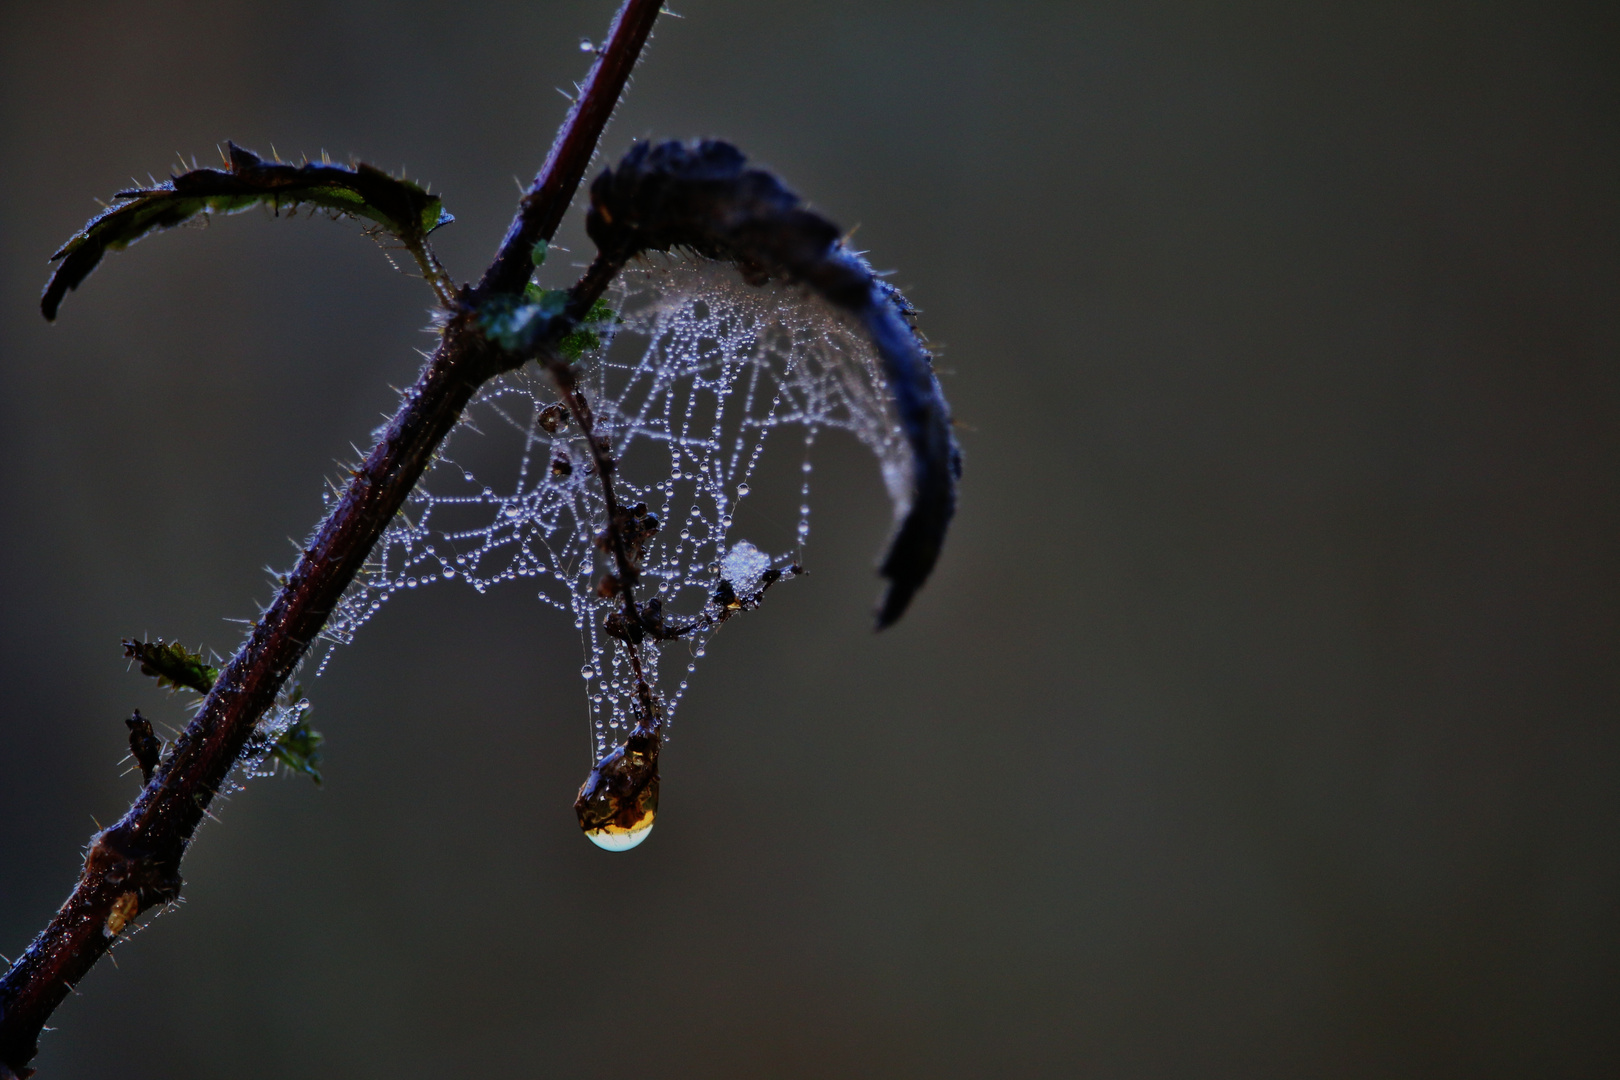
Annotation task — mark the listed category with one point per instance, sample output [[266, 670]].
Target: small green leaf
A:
[[363, 191], [172, 664], [587, 336], [299, 749]]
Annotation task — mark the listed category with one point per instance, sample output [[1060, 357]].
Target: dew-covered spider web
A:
[[712, 395]]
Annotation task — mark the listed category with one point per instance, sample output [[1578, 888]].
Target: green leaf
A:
[[299, 748], [172, 664], [587, 336], [363, 191]]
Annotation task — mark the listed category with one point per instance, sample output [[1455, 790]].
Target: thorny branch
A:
[[698, 197], [135, 864]]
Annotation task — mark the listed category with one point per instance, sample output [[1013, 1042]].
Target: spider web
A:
[[700, 373]]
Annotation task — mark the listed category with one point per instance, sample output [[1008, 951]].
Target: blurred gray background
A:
[[1261, 718]]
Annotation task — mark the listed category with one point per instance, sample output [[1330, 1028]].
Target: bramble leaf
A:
[[362, 191]]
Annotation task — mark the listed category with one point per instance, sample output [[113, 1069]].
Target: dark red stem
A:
[[543, 205]]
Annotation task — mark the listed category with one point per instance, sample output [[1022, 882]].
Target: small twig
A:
[[433, 272], [581, 298], [723, 604]]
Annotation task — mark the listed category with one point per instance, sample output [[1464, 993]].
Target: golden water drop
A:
[[613, 838], [619, 800]]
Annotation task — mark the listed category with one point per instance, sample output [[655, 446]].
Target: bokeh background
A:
[[1261, 719]]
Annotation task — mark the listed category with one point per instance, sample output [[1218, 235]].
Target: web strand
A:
[[694, 383]]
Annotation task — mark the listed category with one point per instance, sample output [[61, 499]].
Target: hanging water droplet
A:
[[587, 671], [449, 572], [615, 840], [618, 802], [742, 489], [585, 45]]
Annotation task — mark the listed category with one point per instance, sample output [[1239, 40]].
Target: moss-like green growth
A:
[[299, 749], [587, 335], [520, 326], [172, 664]]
